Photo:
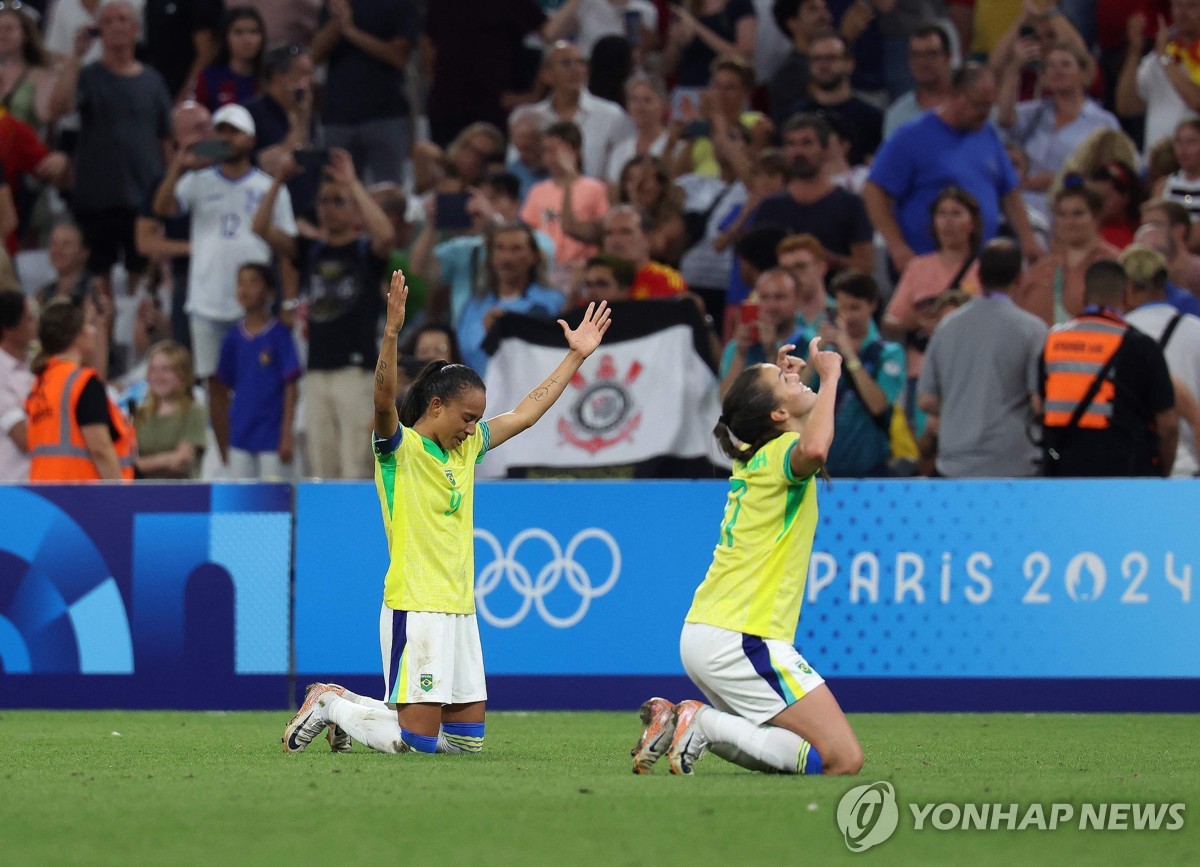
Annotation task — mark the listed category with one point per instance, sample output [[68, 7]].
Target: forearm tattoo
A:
[[379, 374], [543, 391]]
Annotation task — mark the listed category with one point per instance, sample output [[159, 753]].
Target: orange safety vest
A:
[[57, 449], [1075, 353]]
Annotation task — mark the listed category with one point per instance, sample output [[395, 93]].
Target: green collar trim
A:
[[434, 449]]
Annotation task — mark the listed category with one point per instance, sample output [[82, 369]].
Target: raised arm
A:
[[812, 451], [582, 342], [386, 417], [263, 225], [375, 221]]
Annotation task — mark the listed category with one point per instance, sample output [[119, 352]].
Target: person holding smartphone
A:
[[766, 321]]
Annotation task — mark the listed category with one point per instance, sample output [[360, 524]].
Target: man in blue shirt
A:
[[953, 145]]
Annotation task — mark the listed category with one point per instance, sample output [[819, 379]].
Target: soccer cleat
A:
[[658, 723], [688, 744], [339, 741], [308, 722]]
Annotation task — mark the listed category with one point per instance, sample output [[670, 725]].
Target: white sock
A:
[[378, 729], [365, 701], [737, 740]]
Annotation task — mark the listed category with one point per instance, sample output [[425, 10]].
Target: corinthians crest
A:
[[604, 412]]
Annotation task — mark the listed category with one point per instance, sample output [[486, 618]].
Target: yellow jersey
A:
[[755, 584], [428, 514]]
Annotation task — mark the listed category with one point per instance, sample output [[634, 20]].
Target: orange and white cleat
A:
[[308, 722], [339, 741], [658, 723], [688, 743]]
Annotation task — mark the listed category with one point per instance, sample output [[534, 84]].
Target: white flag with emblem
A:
[[646, 401]]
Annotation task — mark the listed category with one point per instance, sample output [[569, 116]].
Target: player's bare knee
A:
[[847, 760]]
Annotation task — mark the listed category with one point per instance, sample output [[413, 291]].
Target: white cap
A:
[[235, 116]]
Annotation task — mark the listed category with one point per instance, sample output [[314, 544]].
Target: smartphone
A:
[[93, 31], [452, 213], [633, 27], [312, 160], [750, 320], [697, 129], [214, 149], [1027, 31]]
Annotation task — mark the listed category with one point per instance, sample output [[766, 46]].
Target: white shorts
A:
[[430, 658], [207, 335], [755, 678]]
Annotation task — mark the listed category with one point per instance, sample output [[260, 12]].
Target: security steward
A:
[[75, 431], [1109, 406]]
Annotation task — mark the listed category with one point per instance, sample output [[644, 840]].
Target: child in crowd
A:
[[258, 364]]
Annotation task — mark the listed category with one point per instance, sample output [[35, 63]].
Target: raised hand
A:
[[590, 332], [786, 362], [826, 363], [396, 299], [341, 167]]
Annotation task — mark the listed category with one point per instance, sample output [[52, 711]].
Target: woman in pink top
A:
[[562, 145], [958, 231]]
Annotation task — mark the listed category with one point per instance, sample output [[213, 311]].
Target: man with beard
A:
[[343, 272], [953, 145], [829, 94], [222, 200], [813, 204]]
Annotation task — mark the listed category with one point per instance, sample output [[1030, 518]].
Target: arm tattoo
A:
[[543, 391], [379, 374]]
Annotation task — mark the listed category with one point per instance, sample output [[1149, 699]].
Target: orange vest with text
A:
[[57, 449], [1075, 353]]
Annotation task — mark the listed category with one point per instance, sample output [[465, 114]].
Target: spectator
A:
[[1161, 163], [285, 123], [607, 278], [259, 366], [1183, 266], [929, 58], [909, 318], [1054, 287], [1160, 241], [26, 79], [343, 271], [1049, 29], [170, 425], [601, 124], [702, 31], [952, 145], [586, 22], [647, 108], [874, 380], [165, 241], [980, 377], [477, 59], [462, 164], [627, 234], [829, 94], [1177, 334], [392, 201], [1183, 185], [18, 330], [367, 44], [850, 176], [74, 431], [813, 204], [181, 40], [610, 68], [757, 338], [544, 206], [646, 184], [125, 123], [1165, 83], [64, 22], [1121, 199], [68, 257], [435, 342], [289, 22], [801, 20], [514, 263], [23, 161], [804, 258], [525, 135], [234, 73], [1109, 402], [454, 268], [1051, 128], [221, 200], [725, 109]]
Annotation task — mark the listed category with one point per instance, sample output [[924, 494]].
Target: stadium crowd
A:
[[990, 209]]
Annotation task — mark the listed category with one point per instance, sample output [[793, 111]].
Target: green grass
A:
[[215, 789]]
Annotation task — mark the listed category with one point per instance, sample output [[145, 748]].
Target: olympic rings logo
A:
[[533, 590]]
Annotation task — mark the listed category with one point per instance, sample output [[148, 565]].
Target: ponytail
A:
[[439, 379]]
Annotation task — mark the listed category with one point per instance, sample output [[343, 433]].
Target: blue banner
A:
[[1031, 579], [145, 596]]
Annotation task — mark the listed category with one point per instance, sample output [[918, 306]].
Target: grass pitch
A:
[[555, 788]]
